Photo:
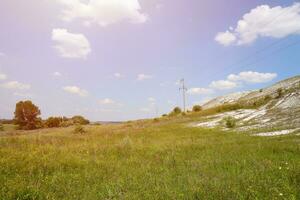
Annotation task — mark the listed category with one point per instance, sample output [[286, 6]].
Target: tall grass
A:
[[146, 160]]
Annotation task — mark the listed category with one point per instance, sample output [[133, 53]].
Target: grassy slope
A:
[[148, 161]]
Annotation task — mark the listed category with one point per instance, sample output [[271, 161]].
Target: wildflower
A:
[[280, 194], [279, 168]]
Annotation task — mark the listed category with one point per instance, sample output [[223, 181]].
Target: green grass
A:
[[9, 127], [148, 160]]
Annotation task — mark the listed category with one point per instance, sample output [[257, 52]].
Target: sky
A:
[[115, 60]]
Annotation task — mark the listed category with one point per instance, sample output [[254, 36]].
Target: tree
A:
[[176, 111], [197, 108], [80, 120], [26, 115], [52, 122]]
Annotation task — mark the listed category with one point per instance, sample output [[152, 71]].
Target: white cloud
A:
[[107, 101], [151, 99], [22, 94], [75, 90], [223, 85], [142, 77], [146, 110], [3, 76], [15, 85], [199, 91], [263, 21], [103, 12], [57, 74], [118, 75], [225, 38], [252, 77], [70, 45]]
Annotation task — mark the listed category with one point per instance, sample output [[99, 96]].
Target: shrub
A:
[[79, 130], [164, 115], [1, 127], [176, 111], [66, 123], [279, 93], [155, 120], [53, 122], [197, 108], [80, 120], [230, 122], [261, 90]]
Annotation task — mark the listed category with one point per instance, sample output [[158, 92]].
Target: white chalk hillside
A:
[[280, 114]]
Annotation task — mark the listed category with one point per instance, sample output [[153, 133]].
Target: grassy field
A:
[[147, 160]]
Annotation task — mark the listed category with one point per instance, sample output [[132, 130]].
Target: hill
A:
[[275, 107]]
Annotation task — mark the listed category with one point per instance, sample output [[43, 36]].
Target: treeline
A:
[[26, 116]]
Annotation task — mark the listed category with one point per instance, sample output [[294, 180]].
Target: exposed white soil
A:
[[289, 101], [276, 133], [282, 111], [243, 114]]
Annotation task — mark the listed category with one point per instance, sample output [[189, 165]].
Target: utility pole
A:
[[183, 89]]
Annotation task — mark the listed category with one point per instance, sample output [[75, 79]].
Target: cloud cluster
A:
[[233, 81], [223, 85], [263, 21], [75, 90], [15, 85], [252, 77], [102, 12], [70, 45]]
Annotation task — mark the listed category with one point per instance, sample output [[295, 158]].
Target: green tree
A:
[[26, 115], [197, 108]]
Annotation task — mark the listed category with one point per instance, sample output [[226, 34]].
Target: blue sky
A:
[[121, 59]]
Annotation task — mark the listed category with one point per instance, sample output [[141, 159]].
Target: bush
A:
[[79, 130], [177, 110], [164, 115], [230, 122], [155, 120], [66, 123], [1, 127], [53, 122], [279, 93], [197, 108], [80, 120]]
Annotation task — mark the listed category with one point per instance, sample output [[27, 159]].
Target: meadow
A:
[[160, 159]]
